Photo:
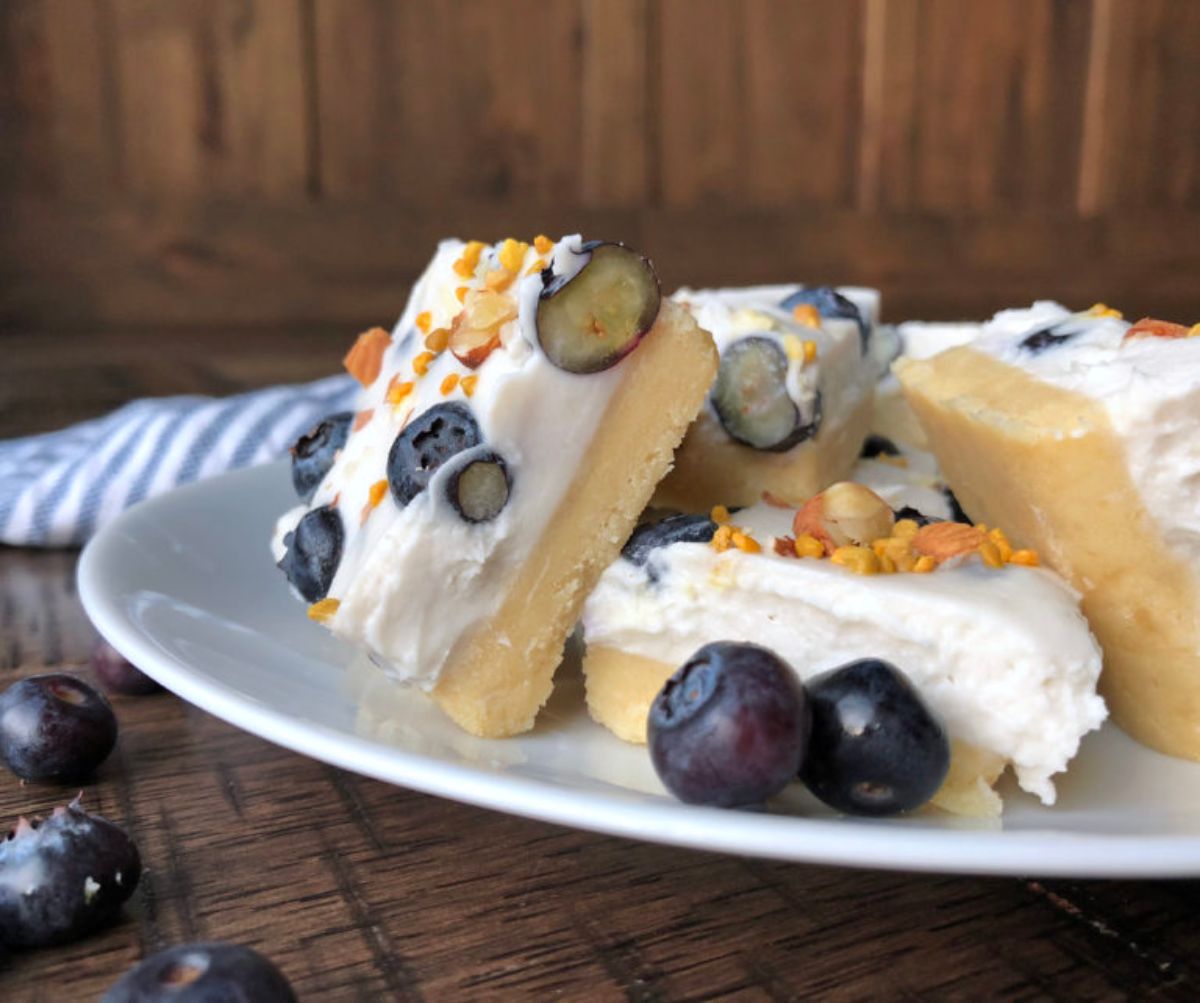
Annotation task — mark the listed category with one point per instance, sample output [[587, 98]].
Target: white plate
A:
[[185, 587]]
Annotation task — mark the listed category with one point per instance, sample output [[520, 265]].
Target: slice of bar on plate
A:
[[1081, 434], [510, 430], [791, 403], [996, 646]]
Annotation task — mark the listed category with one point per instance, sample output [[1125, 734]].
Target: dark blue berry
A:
[[426, 443], [831, 304], [651, 536], [591, 320], [314, 452], [730, 727], [314, 551], [751, 399], [117, 675], [63, 877], [203, 973], [55, 729], [878, 445], [478, 489], [956, 510], [876, 748]]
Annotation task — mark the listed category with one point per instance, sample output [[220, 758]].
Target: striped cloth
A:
[[59, 488]]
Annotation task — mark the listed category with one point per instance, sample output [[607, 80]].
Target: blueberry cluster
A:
[[732, 727]]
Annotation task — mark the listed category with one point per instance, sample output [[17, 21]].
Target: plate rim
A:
[[842, 842]]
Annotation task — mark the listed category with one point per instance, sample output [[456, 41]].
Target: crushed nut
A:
[[365, 358], [843, 514], [785, 546], [943, 540], [361, 419], [1149, 327]]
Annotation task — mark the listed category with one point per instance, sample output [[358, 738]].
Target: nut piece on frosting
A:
[[844, 514]]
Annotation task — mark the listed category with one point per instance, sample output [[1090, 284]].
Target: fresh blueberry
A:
[[878, 445], [314, 452], [426, 443], [55, 729], [876, 748], [118, 675], [730, 727], [649, 537], [203, 973], [832, 304], [63, 877], [591, 320], [314, 551], [916, 515], [751, 399], [956, 510], [479, 488]]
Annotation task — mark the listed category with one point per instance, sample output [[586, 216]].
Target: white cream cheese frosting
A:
[[413, 580], [1149, 388], [1003, 655]]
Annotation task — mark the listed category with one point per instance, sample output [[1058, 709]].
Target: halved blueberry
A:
[[314, 551], [591, 320], [480, 487], [730, 727], [426, 443], [878, 445], [830, 303], [876, 747], [651, 536], [751, 399], [314, 452]]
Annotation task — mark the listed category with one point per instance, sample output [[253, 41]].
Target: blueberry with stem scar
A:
[[55, 729], [592, 320]]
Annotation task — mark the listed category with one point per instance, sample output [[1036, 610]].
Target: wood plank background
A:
[[253, 162]]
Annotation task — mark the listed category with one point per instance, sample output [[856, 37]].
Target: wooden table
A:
[[359, 890]]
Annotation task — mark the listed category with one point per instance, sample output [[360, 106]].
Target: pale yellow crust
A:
[[621, 686], [498, 676], [1045, 464], [712, 469]]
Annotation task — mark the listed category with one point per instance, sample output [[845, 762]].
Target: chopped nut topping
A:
[[424, 319], [844, 513], [365, 358], [498, 279], [468, 384], [323, 610], [807, 315], [461, 293], [361, 419], [943, 540], [785, 546], [1149, 327], [448, 384], [375, 494]]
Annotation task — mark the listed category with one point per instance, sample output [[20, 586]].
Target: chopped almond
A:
[[361, 419], [1149, 327], [943, 540], [365, 358]]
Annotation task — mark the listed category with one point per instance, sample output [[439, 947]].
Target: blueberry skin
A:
[[117, 675], [878, 445], [55, 729], [211, 972], [876, 749], [651, 536], [426, 443], [730, 727], [830, 303], [63, 877], [314, 551], [1047, 337], [916, 515], [957, 514], [313, 453]]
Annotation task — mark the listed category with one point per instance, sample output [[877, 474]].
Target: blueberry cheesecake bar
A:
[[792, 398], [1081, 433], [508, 433], [994, 644]]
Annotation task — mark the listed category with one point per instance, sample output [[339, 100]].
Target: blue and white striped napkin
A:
[[59, 488]]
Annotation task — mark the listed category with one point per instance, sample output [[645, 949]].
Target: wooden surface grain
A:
[[363, 891]]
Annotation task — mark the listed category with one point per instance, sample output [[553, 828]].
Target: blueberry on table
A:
[[730, 727], [202, 973], [314, 452], [831, 304], [751, 399], [591, 320], [428, 441], [63, 877], [876, 747], [314, 551], [479, 488], [118, 675], [673, 529], [878, 445], [55, 729]]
